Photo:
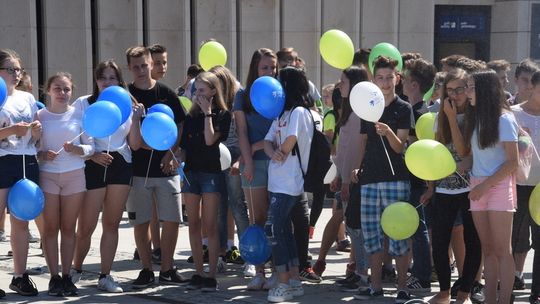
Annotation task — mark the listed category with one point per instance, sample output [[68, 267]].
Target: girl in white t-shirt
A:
[[62, 180], [19, 134], [286, 182], [493, 141]]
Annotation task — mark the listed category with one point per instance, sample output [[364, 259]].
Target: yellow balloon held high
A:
[[400, 220], [534, 204], [424, 126], [337, 49], [429, 160], [212, 53]]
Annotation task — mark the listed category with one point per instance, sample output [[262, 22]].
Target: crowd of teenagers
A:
[[476, 220]]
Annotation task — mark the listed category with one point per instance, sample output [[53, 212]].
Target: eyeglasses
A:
[[13, 71], [455, 91]]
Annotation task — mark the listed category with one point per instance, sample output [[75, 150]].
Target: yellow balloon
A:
[[424, 126], [211, 54], [400, 220], [186, 103], [429, 160], [534, 204], [337, 49]]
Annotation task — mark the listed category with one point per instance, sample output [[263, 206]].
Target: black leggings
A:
[[317, 204], [445, 208], [300, 219]]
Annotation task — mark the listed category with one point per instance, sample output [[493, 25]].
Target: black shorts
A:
[[119, 172], [11, 169]]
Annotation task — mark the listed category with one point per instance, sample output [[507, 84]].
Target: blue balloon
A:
[[25, 200], [159, 131], [254, 246], [162, 108], [3, 92], [120, 97], [267, 97], [40, 105], [101, 119]]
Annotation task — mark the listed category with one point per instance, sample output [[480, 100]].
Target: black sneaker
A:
[[353, 277], [368, 294], [205, 255], [389, 275], [156, 256], [477, 293], [402, 297], [56, 288], [196, 282], [145, 279], [519, 283], [2, 293], [233, 256], [455, 288], [533, 299], [308, 275], [69, 288], [23, 286], [172, 277], [415, 285], [209, 284]]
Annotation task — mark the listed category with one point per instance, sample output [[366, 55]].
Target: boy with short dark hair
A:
[[522, 80]]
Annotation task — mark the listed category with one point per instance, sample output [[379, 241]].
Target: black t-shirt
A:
[[375, 167], [199, 156], [160, 93], [418, 110]]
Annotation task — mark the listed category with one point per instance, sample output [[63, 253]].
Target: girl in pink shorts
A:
[[492, 132]]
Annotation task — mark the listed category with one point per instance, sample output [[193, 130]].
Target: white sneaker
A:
[[280, 293], [249, 270], [221, 266], [296, 288], [257, 282], [109, 284], [32, 238], [3, 236], [75, 275], [271, 282]]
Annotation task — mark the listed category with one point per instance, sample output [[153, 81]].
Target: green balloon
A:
[[534, 205], [337, 49], [211, 54], [429, 160], [400, 220], [424, 126], [387, 50], [186, 103], [429, 93]]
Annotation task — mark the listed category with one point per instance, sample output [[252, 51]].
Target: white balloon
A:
[[224, 157], [367, 101], [331, 174]]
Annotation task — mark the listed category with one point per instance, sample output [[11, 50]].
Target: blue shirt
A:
[[488, 161], [257, 125]]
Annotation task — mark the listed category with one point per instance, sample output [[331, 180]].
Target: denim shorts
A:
[[260, 175], [202, 182]]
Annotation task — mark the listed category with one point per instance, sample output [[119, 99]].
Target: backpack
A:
[[319, 159], [526, 150]]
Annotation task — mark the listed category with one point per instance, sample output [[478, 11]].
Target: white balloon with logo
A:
[[367, 101]]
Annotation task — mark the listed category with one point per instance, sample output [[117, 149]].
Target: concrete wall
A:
[[240, 25]]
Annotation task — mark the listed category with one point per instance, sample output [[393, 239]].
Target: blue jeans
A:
[[278, 229], [360, 255], [420, 240], [232, 197]]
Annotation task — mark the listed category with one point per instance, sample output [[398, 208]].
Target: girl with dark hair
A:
[[251, 128], [108, 175], [61, 156], [19, 135], [451, 193], [493, 139], [285, 180]]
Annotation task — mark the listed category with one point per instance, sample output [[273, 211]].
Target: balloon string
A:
[[252, 205], [180, 169], [148, 167], [387, 156], [24, 166], [106, 167], [466, 181], [70, 141]]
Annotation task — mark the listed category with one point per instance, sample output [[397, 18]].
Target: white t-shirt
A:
[[286, 177], [19, 107], [488, 161], [58, 129], [118, 140], [532, 125]]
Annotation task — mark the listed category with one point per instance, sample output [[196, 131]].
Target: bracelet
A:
[[209, 115]]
